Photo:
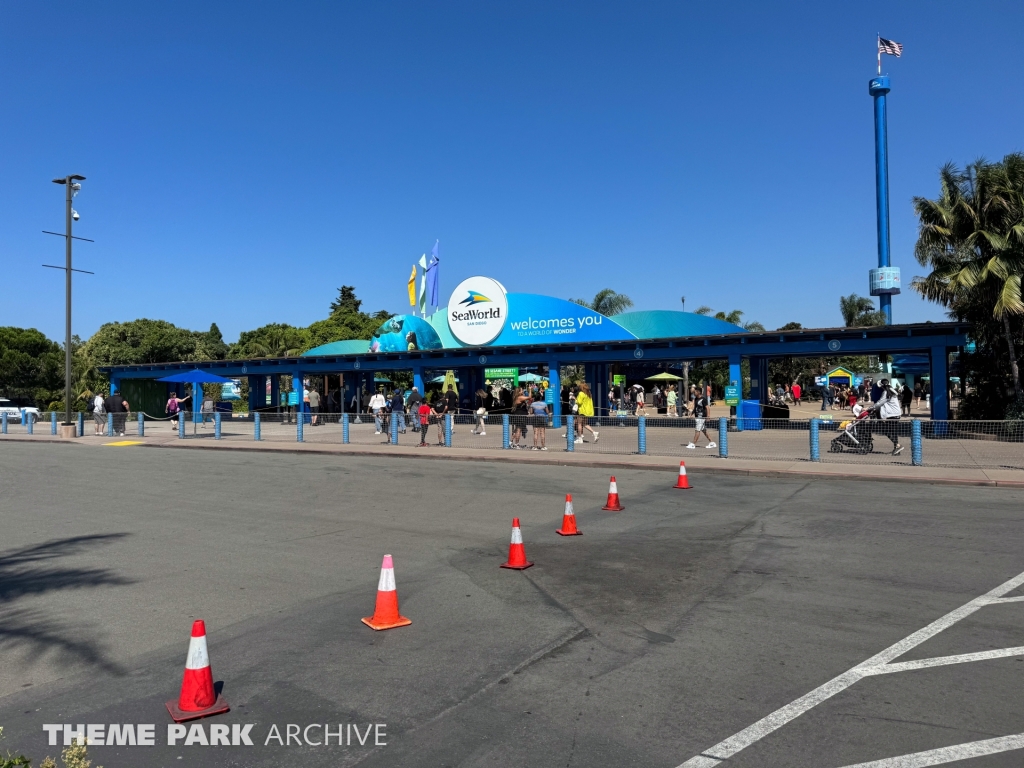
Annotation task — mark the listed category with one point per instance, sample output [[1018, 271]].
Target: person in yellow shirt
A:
[[585, 411]]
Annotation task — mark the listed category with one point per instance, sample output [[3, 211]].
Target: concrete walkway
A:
[[696, 463]]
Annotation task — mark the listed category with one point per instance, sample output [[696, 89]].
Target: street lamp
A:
[[71, 187]]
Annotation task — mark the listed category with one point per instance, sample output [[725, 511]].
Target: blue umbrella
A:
[[196, 376]]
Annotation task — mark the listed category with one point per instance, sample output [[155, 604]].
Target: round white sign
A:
[[477, 311]]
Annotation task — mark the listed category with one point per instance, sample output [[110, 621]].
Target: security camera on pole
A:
[[71, 187]]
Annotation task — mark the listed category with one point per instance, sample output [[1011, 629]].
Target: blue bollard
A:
[[29, 421], [110, 425], [344, 428], [216, 426], [815, 452], [570, 433], [447, 430], [142, 424], [723, 437], [81, 424], [298, 426], [915, 443], [641, 435], [394, 429], [256, 426], [3, 423], [181, 425], [53, 422], [505, 431]]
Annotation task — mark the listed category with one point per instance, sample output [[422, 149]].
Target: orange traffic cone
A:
[[516, 551], [569, 520], [198, 698], [682, 482], [385, 613], [612, 505]]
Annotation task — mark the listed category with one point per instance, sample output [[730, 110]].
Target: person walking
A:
[[440, 408], [173, 408], [480, 412], [641, 410], [99, 416], [917, 394], [585, 406], [451, 401], [314, 408], [118, 406], [888, 408], [415, 398], [398, 410], [700, 413], [423, 413], [797, 391], [539, 410], [519, 418], [906, 398], [206, 409], [377, 404], [671, 399]]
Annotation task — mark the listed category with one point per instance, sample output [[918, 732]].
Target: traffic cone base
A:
[[198, 696], [385, 612], [568, 520], [683, 482], [180, 716], [613, 505], [516, 551]]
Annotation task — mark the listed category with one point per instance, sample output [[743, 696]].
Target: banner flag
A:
[[433, 272], [423, 285]]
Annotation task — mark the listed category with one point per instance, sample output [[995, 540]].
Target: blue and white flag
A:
[[433, 272]]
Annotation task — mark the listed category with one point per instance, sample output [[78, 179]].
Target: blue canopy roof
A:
[[196, 376]]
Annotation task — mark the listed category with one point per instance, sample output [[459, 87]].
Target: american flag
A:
[[890, 47]]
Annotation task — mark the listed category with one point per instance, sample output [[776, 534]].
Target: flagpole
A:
[[878, 47]]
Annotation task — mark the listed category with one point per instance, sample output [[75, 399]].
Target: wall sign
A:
[[477, 311]]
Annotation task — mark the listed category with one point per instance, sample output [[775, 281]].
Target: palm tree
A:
[[859, 311], [607, 302], [734, 317], [972, 237]]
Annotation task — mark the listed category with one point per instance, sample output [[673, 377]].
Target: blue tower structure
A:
[[884, 281]]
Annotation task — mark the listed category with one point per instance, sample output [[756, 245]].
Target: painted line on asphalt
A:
[[941, 661], [998, 600], [766, 725], [948, 754]]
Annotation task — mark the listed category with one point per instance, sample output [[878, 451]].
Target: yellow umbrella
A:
[[449, 381]]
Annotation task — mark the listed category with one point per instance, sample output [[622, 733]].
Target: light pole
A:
[[71, 186]]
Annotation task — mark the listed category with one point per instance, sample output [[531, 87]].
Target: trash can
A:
[[750, 413]]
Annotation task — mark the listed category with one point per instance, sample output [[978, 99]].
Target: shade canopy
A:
[[195, 376], [531, 377], [666, 376]]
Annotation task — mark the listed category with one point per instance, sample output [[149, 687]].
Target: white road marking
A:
[[948, 754], [1016, 599], [941, 661], [766, 725]]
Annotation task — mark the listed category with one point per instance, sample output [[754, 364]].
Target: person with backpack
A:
[[99, 415], [173, 408], [700, 413]]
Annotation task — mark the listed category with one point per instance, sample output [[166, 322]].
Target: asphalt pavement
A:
[[651, 640]]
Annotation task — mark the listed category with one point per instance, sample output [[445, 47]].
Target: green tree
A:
[[272, 340], [791, 327], [972, 238], [607, 302], [31, 365], [859, 312]]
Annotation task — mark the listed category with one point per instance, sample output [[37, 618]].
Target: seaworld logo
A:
[[474, 298]]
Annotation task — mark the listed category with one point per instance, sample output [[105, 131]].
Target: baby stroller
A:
[[856, 434]]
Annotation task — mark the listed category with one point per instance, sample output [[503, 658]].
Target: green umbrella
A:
[[664, 377]]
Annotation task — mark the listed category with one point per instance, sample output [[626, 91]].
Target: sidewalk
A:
[[701, 463]]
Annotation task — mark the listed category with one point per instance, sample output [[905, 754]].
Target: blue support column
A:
[[197, 402], [297, 389], [939, 385], [641, 435], [216, 425], [815, 448], [110, 425], [81, 424], [915, 443], [878, 87], [447, 430], [555, 383], [29, 422], [257, 393], [53, 422], [344, 428], [141, 417], [275, 391], [504, 431], [736, 379], [417, 378], [570, 433], [723, 437], [256, 427]]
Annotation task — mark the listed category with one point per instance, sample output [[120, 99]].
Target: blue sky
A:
[[246, 159]]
